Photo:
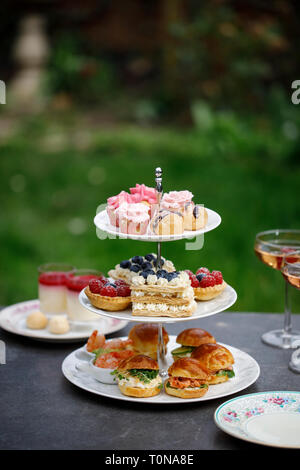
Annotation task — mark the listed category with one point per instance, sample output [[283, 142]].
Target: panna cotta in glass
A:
[[75, 282], [52, 287]]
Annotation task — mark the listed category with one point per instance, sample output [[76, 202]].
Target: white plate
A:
[[204, 309], [246, 373], [102, 222], [267, 418], [13, 319]]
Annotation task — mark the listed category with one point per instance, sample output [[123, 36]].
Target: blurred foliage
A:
[[86, 78], [58, 168]]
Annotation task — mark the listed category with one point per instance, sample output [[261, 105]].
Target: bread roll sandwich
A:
[[217, 359], [187, 379], [189, 340], [138, 376], [144, 338]]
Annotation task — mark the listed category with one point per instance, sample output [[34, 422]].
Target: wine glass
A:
[[272, 247], [291, 273]]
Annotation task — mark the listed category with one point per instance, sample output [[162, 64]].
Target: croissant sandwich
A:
[[187, 379], [217, 359]]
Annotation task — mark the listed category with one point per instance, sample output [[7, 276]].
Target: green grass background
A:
[[55, 172]]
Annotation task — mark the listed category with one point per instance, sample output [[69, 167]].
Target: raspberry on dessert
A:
[[203, 270], [108, 291], [208, 281], [96, 285], [194, 281], [218, 276], [123, 291], [120, 282], [190, 273]]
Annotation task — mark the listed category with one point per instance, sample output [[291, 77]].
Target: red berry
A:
[[108, 291], [123, 291], [95, 286], [208, 281], [120, 282], [203, 271], [194, 281], [189, 273], [218, 276]]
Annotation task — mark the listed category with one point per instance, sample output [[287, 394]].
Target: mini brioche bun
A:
[[139, 392], [184, 393], [213, 356], [194, 337], [144, 338], [138, 362], [189, 368]]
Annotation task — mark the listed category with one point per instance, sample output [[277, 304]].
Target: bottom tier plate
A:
[[246, 373]]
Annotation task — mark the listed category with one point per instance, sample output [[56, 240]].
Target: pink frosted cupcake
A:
[[177, 200], [133, 218], [113, 203]]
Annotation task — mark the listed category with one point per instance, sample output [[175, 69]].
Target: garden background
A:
[[99, 93]]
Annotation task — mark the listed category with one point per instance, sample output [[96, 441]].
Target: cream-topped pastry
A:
[[176, 200], [129, 268], [167, 222], [133, 218], [194, 217], [162, 294]]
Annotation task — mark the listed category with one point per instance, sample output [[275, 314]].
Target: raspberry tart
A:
[[207, 285], [112, 296]]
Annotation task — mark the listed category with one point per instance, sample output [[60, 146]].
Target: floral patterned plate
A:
[[267, 418]]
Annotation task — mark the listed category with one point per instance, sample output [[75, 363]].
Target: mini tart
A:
[[112, 304], [208, 293]]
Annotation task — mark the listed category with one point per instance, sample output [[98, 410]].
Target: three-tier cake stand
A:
[[225, 300]]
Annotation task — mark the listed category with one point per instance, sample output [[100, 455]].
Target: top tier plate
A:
[[102, 223]]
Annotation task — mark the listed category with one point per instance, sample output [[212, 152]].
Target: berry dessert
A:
[[167, 294], [207, 285], [129, 268], [75, 282], [52, 287], [109, 295]]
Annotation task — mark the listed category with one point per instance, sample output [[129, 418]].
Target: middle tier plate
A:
[[204, 309]]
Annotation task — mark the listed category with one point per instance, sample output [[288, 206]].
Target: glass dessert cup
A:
[[273, 247], [52, 287], [75, 282]]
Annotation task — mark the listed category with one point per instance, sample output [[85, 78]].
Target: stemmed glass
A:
[[291, 273], [273, 247]]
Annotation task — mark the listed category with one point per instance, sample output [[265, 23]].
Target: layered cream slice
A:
[[162, 295]]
